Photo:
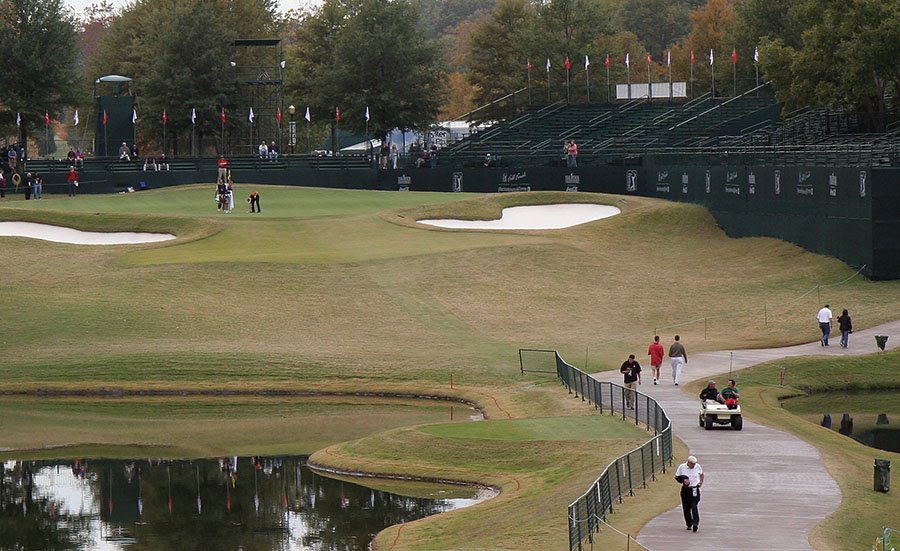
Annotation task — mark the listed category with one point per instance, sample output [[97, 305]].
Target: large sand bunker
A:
[[59, 234], [536, 217]]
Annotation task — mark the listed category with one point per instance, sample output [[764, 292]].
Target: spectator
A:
[[572, 154], [394, 156], [711, 393], [846, 326], [678, 356], [151, 162], [163, 162], [2, 184], [263, 150], [632, 371], [28, 183], [38, 186], [690, 475], [223, 170], [124, 152], [656, 353], [384, 152], [433, 156], [824, 317], [72, 178], [79, 158], [488, 161], [70, 156], [273, 151]]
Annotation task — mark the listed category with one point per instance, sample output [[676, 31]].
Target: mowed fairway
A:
[[341, 290]]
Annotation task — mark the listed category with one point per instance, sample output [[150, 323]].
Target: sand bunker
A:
[[537, 217], [59, 234]]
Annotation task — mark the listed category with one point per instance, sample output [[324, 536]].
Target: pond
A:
[[226, 503], [872, 418]]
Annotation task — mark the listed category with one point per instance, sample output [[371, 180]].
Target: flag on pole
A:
[[669, 58], [367, 113], [587, 62], [105, 117], [165, 117], [250, 116], [19, 119], [627, 62], [278, 116], [649, 59], [692, 57], [711, 57], [548, 64], [734, 56], [568, 64], [133, 116], [606, 62], [306, 116], [47, 118], [755, 55], [337, 114], [223, 115], [193, 115], [75, 118], [528, 66]]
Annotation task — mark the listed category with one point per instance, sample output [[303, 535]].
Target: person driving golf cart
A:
[[711, 393]]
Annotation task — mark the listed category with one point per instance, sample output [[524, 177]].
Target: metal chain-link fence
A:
[[627, 472]]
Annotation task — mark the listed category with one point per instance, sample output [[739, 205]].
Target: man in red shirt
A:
[[72, 178], [223, 170], [656, 353]]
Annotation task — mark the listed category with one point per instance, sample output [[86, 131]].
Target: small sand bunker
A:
[[58, 234], [536, 217]]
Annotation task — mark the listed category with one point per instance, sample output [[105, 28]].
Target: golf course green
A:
[[341, 303]]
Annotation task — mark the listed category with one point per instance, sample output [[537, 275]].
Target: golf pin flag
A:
[[711, 57], [165, 117], [606, 62], [568, 64], [75, 118], [627, 62], [306, 116], [528, 65], [756, 55], [134, 116], [47, 118], [367, 113], [193, 115], [734, 56], [587, 62], [250, 116]]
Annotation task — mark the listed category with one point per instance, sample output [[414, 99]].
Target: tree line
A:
[[408, 63]]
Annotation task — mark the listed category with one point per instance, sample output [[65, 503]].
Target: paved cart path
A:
[[764, 489]]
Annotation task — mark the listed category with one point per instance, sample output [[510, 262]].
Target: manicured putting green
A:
[[589, 427]]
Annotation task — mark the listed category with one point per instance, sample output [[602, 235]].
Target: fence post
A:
[[630, 476], [644, 467], [619, 479]]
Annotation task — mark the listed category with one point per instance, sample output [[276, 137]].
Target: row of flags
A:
[[251, 116], [607, 63]]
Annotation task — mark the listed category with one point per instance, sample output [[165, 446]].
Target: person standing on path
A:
[[632, 371], [846, 326], [824, 317], [656, 353], [678, 356], [690, 474]]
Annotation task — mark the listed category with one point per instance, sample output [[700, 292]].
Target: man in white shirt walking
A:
[[690, 475], [824, 318]]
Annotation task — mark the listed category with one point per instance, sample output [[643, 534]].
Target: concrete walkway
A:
[[764, 489]]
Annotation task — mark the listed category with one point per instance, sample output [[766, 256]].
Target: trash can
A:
[[882, 475], [881, 341]]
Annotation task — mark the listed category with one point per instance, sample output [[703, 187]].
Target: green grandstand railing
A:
[[627, 472]]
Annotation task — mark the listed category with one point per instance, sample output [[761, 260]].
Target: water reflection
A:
[[230, 503]]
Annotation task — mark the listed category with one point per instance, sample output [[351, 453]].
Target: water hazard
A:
[[229, 503]]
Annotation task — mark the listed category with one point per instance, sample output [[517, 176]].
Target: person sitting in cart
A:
[[711, 393], [731, 394]]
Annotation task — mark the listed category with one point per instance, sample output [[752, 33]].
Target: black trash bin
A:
[[882, 475], [881, 341]]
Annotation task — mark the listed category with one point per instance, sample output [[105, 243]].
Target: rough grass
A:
[[863, 512]]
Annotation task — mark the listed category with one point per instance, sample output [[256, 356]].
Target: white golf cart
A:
[[715, 413]]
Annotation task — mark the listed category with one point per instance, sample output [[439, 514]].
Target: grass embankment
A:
[[863, 512], [326, 291]]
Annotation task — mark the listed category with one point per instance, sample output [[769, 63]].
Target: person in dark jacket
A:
[[846, 326]]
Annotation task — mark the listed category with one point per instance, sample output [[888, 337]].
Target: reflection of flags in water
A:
[[256, 502], [199, 505], [345, 501], [312, 499], [140, 506], [372, 499]]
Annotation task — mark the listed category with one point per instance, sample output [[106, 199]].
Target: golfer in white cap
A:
[[690, 475]]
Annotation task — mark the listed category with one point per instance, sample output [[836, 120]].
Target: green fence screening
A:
[[627, 472]]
